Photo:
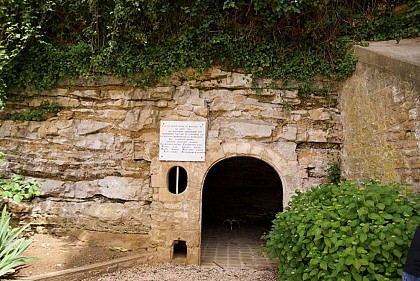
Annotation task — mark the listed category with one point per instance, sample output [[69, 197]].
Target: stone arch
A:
[[185, 209], [242, 188], [239, 205], [280, 158]]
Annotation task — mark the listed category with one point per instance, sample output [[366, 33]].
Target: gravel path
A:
[[169, 272]]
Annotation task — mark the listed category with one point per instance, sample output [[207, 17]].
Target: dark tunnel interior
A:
[[246, 189]]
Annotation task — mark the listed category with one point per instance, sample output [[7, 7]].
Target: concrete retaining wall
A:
[[380, 107]]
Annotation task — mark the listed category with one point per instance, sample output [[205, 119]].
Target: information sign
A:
[[182, 141]]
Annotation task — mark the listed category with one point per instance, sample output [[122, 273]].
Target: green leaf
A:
[[11, 247], [361, 250], [323, 265], [369, 203], [375, 243], [397, 253], [349, 260], [374, 216], [357, 264], [363, 237], [364, 262], [328, 242], [380, 206], [356, 276], [17, 197]]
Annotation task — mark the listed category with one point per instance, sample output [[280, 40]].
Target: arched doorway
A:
[[241, 196]]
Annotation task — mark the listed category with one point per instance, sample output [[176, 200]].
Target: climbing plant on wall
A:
[[293, 41]]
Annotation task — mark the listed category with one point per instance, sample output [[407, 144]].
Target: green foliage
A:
[[38, 113], [293, 41], [11, 245], [348, 231], [334, 173], [19, 189], [388, 20], [21, 23]]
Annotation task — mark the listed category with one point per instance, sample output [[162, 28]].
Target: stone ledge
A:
[[402, 59], [96, 269]]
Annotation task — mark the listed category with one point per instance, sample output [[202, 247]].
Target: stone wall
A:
[[381, 119], [98, 159]]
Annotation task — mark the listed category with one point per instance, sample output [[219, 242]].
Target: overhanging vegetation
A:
[[292, 41]]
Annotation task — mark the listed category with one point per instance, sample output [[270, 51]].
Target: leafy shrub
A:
[[11, 245], [19, 189], [348, 231]]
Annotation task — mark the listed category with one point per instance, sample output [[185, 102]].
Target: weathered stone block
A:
[[185, 108], [6, 129], [96, 141], [183, 113], [201, 111], [289, 132], [317, 135], [117, 94], [122, 188], [84, 127], [91, 94], [319, 114], [247, 130], [52, 188], [222, 104], [153, 94], [137, 119], [68, 102], [162, 103], [287, 149], [197, 101]]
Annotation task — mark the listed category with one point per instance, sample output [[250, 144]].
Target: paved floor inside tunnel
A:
[[236, 247]]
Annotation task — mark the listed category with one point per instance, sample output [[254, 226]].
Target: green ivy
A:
[[38, 113], [292, 41], [388, 21], [334, 173], [348, 231]]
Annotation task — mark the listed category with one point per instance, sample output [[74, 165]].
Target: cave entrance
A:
[[241, 196]]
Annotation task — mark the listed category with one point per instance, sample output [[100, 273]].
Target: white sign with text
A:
[[182, 141]]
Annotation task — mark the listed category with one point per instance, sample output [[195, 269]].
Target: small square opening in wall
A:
[[180, 249]]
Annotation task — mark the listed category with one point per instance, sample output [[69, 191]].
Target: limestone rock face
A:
[[246, 130], [136, 119], [98, 159], [93, 215]]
